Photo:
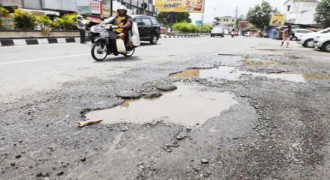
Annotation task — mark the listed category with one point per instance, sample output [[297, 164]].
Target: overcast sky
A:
[[227, 8]]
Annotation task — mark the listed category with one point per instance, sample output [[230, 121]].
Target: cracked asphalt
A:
[[279, 129]]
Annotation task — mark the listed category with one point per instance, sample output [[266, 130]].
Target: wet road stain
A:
[[259, 63], [316, 77], [186, 106], [234, 74]]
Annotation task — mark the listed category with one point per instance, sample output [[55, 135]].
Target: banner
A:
[[277, 20], [96, 7], [191, 6]]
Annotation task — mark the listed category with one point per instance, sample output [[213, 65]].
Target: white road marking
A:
[[43, 59], [75, 55], [39, 45]]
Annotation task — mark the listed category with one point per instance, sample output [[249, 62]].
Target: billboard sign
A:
[[96, 7], [191, 6], [199, 22], [277, 20], [243, 25], [84, 9]]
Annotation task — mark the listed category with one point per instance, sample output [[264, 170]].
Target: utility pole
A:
[[203, 16], [111, 6]]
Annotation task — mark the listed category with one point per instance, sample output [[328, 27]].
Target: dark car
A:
[[149, 28]]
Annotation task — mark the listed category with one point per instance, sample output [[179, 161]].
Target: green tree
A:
[[24, 20], [67, 22], [322, 15], [165, 18], [44, 21], [3, 14], [260, 15]]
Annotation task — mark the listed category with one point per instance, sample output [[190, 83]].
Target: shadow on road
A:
[[119, 58]]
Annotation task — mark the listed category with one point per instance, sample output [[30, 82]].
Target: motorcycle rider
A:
[[124, 22]]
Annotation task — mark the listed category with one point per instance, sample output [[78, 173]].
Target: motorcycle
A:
[[105, 44], [97, 29], [94, 32]]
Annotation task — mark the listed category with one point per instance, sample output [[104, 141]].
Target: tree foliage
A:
[[24, 20], [184, 27], [260, 15], [165, 18], [322, 15], [67, 22], [44, 21], [3, 14]]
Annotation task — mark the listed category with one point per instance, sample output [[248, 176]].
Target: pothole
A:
[[234, 74], [188, 106]]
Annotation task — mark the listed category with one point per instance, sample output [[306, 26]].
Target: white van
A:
[[217, 30]]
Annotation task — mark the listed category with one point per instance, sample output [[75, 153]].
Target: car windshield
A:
[[217, 26], [327, 30]]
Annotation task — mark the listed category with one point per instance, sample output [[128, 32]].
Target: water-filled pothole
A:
[[234, 74], [186, 106]]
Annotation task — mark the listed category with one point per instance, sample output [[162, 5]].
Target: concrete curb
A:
[[179, 36], [23, 42]]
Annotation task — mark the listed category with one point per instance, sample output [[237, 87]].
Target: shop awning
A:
[[50, 13]]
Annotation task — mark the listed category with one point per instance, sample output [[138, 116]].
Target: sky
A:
[[227, 8]]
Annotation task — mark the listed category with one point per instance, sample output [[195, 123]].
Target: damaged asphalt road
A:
[[277, 129]]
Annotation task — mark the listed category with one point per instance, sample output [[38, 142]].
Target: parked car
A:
[[298, 33], [307, 40], [322, 41], [149, 28], [217, 30]]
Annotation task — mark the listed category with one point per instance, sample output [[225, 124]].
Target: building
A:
[[226, 20], [300, 12], [88, 7]]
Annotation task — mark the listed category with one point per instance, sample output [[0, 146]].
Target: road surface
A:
[[272, 119]]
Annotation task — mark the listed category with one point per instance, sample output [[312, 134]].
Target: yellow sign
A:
[[277, 20], [191, 6]]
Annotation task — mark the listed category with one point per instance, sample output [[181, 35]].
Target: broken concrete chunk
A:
[[204, 161], [89, 122], [152, 95], [129, 95], [166, 88]]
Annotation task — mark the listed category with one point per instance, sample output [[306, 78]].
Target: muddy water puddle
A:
[[186, 106], [234, 74]]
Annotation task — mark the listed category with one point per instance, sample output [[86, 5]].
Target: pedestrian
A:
[[81, 25], [286, 36]]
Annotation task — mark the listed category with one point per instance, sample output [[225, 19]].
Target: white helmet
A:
[[122, 7], [79, 16]]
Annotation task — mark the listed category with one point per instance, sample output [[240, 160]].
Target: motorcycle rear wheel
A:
[[99, 51]]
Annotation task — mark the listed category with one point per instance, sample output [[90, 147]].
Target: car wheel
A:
[[309, 43], [294, 38], [326, 47], [154, 40]]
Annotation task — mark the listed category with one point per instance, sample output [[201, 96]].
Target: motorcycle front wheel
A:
[[130, 53], [99, 51]]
